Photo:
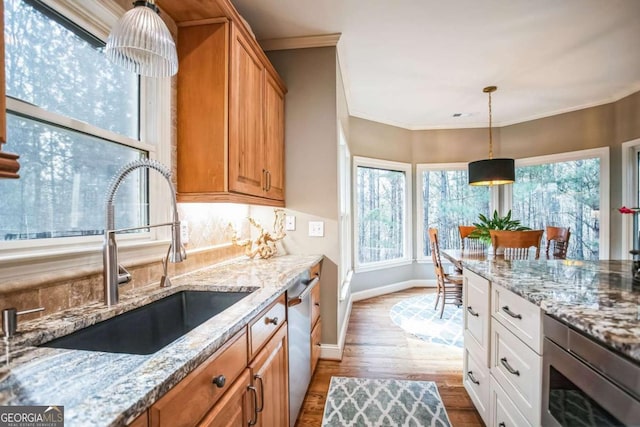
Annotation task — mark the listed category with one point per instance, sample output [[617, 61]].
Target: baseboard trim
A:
[[334, 351], [394, 287]]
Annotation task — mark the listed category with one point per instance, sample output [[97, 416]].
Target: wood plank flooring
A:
[[376, 348]]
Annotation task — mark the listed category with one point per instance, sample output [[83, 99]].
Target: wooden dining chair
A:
[[516, 244], [471, 243], [449, 286], [558, 240]]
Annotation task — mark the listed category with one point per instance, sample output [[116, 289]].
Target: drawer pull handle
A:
[[511, 313], [502, 425], [471, 312], [255, 405], [259, 378], [472, 378], [268, 320], [219, 381], [508, 367]]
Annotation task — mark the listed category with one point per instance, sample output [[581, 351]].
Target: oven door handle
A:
[[304, 294]]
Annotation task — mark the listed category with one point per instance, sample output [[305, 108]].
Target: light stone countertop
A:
[[109, 389], [594, 297]]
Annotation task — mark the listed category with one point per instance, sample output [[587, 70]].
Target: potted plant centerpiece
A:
[[495, 222]]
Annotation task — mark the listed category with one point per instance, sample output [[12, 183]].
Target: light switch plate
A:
[[316, 228], [289, 223]]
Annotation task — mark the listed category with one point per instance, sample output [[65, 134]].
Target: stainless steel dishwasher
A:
[[299, 324]]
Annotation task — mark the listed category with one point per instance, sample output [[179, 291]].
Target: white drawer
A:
[[520, 316], [518, 369], [503, 413], [477, 317], [476, 382]]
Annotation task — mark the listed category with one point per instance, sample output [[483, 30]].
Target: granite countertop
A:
[[594, 297], [98, 388]]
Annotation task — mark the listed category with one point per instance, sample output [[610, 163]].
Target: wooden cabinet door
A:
[[234, 409], [246, 139], [270, 377], [274, 138]]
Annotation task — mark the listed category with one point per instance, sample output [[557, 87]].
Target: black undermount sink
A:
[[147, 329]]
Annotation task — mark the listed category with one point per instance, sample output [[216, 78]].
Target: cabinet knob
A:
[[219, 381], [268, 320], [317, 304]]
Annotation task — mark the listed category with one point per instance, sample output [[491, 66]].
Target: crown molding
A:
[[303, 42]]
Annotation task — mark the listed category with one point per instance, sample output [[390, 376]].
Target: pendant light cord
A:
[[490, 133]]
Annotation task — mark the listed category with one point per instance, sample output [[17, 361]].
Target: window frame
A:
[[407, 168], [630, 153], [420, 230], [345, 218], [17, 258], [603, 154]]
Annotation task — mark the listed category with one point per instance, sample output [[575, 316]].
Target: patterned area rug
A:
[[367, 402], [417, 316]]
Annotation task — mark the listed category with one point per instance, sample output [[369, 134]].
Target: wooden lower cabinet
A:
[[316, 337], [233, 388], [235, 409], [270, 377]]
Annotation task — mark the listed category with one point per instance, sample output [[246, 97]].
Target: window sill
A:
[[383, 265], [20, 271]]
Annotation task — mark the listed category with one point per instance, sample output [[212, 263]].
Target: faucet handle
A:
[[10, 319]]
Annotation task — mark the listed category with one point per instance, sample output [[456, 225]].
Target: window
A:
[[383, 213], [630, 193], [568, 190], [75, 120], [346, 254], [446, 200]]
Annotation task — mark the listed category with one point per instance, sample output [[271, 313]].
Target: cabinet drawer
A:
[[192, 398], [266, 324], [520, 316], [315, 305], [315, 271], [476, 382], [518, 369], [477, 315], [233, 409], [503, 412], [316, 337]]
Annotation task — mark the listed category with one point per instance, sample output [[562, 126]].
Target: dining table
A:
[[456, 256]]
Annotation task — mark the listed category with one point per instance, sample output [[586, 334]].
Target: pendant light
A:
[[491, 171], [141, 42]]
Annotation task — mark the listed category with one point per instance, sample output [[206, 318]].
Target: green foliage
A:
[[495, 222]]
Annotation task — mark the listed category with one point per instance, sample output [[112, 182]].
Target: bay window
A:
[[445, 200], [382, 213]]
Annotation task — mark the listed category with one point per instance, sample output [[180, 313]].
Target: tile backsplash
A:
[[208, 243]]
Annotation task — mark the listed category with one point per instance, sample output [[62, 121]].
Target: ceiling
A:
[[414, 63]]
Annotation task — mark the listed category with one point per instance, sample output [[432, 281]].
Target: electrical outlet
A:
[[316, 228], [290, 223], [184, 232]]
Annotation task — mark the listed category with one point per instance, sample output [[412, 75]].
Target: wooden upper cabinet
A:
[[230, 117], [246, 135], [274, 138]]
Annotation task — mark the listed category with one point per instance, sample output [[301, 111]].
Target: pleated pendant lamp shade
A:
[[141, 42]]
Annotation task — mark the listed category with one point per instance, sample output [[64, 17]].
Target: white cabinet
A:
[[502, 354], [477, 316], [518, 369]]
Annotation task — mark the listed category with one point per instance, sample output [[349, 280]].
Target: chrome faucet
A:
[[115, 274]]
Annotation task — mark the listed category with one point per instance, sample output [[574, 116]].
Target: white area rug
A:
[[417, 316], [368, 402]]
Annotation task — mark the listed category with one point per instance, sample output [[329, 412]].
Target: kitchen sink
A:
[[147, 329]]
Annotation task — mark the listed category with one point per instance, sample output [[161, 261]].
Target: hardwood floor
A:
[[376, 348]]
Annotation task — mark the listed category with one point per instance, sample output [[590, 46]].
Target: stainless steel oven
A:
[[585, 383]]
